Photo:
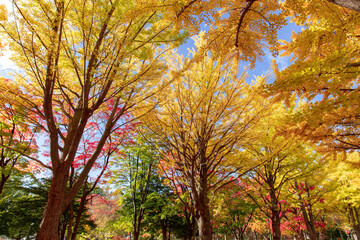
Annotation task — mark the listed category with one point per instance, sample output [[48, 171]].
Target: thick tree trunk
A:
[[275, 215], [49, 226], [204, 227], [202, 204], [275, 224]]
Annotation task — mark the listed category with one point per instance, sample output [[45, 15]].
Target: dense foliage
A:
[[182, 144]]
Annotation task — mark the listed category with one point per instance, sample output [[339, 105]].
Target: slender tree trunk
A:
[[355, 221], [191, 225], [71, 220], [136, 235], [163, 229], [4, 178], [49, 226], [78, 216], [63, 230], [309, 222]]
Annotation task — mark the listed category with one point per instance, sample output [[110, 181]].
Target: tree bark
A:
[[204, 223], [275, 214], [136, 235], [201, 200], [4, 178], [49, 227], [355, 221], [163, 229], [309, 222], [70, 223], [349, 4], [275, 224], [78, 216]]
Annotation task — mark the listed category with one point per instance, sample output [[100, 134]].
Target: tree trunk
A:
[[275, 224], [163, 229], [191, 225], [349, 4], [70, 224], [78, 216], [202, 204], [275, 215], [136, 235], [204, 227], [355, 221], [309, 222], [49, 226], [62, 230], [4, 178]]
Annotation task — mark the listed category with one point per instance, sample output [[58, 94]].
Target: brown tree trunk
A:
[[275, 224], [191, 225], [349, 4], [62, 230], [70, 224], [4, 178], [309, 222], [78, 216], [163, 229], [49, 226], [202, 203], [275, 215], [136, 235], [355, 221], [307, 212], [204, 227]]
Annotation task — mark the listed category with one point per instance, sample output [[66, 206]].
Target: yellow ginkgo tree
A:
[[325, 71], [201, 128]]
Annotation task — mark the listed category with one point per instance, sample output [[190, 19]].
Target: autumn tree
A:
[[233, 210], [284, 158], [325, 71], [17, 142], [200, 128], [102, 209], [21, 204], [122, 136], [346, 199], [80, 58]]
